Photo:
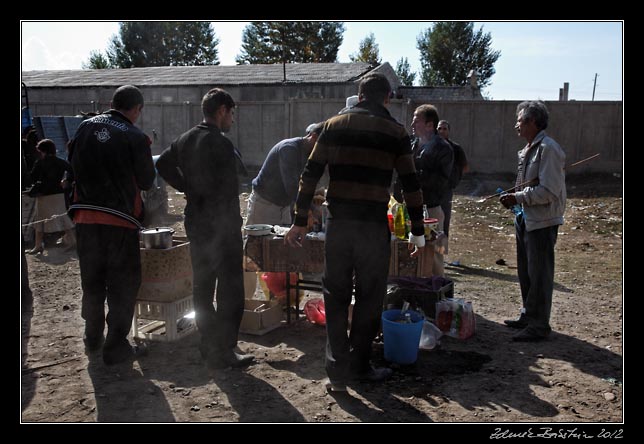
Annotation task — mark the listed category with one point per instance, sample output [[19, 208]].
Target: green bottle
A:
[[399, 223]]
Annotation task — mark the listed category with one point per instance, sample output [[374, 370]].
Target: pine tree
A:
[[368, 51], [450, 50], [290, 42], [96, 61], [404, 72], [163, 44]]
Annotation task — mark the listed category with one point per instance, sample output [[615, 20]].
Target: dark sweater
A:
[[434, 165], [361, 147], [50, 171]]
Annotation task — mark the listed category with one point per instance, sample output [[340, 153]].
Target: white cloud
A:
[[37, 55]]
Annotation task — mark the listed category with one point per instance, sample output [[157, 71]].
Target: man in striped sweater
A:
[[361, 147]]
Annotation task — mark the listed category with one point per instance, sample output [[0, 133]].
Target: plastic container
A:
[[430, 225], [401, 339]]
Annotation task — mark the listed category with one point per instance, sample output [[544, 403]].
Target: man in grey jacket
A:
[[541, 191]]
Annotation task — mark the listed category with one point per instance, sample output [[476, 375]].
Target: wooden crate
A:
[[266, 253]]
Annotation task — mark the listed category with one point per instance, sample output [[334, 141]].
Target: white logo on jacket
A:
[[102, 135]]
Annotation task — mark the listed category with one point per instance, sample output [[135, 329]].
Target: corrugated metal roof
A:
[[198, 75]]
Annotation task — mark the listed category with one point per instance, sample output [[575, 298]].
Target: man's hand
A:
[[508, 200], [295, 235]]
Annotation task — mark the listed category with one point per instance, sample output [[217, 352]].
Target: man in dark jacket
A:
[[433, 159], [459, 167], [112, 163], [202, 163]]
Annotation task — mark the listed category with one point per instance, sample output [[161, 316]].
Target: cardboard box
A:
[[260, 317], [166, 274]]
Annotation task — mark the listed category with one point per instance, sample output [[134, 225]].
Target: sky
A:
[[537, 58]]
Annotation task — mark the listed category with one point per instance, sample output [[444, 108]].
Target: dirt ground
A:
[[574, 377]]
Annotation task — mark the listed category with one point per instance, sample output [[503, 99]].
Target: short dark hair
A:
[[375, 88], [445, 122], [429, 113], [213, 99], [534, 110], [127, 97], [46, 146]]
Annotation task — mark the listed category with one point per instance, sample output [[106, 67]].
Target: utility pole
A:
[[594, 85]]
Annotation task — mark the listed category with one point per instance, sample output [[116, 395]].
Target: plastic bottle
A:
[[516, 209], [407, 318], [407, 222], [425, 212], [399, 223]]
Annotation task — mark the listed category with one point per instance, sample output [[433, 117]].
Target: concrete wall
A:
[[486, 131], [263, 117]]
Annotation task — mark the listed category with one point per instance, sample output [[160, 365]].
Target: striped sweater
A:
[[361, 147]]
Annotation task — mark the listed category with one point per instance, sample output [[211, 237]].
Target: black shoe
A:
[[375, 374], [123, 354], [232, 359], [526, 335], [516, 323]]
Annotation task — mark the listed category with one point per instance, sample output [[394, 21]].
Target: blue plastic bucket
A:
[[401, 339]]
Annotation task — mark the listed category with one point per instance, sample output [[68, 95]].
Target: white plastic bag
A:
[[430, 336]]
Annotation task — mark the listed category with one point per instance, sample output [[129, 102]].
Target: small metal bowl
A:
[[258, 229]]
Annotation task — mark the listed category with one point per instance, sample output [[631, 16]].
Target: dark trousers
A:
[[446, 205], [361, 250], [536, 269], [217, 264], [110, 266]]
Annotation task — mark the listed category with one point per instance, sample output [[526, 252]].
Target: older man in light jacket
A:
[[541, 192]]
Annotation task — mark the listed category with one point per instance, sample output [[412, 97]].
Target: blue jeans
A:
[[536, 269]]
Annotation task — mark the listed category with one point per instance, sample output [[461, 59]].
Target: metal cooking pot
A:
[[157, 238]]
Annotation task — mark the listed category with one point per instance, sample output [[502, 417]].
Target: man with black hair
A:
[[459, 167], [203, 164], [361, 146], [112, 163]]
